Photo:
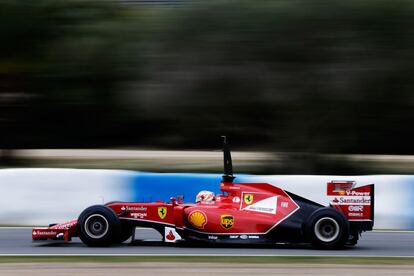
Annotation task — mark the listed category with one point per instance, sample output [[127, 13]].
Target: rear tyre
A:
[[353, 238], [98, 225], [327, 228]]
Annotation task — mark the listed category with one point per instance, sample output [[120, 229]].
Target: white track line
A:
[[196, 255]]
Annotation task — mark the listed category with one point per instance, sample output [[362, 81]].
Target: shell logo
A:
[[197, 219]]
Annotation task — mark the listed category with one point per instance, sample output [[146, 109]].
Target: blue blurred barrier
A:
[[147, 187], [42, 196]]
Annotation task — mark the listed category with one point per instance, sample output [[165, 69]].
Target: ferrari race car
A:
[[245, 213]]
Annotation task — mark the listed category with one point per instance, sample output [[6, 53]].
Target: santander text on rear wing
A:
[[356, 203]]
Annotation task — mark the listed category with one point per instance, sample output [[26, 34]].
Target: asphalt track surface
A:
[[17, 241]]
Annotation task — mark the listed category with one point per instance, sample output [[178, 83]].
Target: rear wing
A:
[[357, 204]]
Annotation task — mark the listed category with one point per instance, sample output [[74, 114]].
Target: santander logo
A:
[[170, 236]]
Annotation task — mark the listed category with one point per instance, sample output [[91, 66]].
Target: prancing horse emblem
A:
[[162, 212], [248, 198]]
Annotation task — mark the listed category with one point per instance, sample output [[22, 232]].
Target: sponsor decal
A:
[[64, 226], [39, 232], [248, 198], [244, 237], [340, 187], [355, 193], [133, 208], [227, 221], [353, 208], [352, 200], [198, 219], [138, 215], [355, 214], [162, 212], [284, 204], [261, 209], [267, 205], [236, 199], [171, 235], [234, 188], [211, 237]]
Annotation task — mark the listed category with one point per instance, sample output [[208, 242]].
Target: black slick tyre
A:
[[125, 233], [98, 225], [126, 229], [327, 228]]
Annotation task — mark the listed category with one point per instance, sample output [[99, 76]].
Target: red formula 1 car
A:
[[252, 213]]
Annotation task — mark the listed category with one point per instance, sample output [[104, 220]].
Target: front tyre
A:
[[125, 233], [327, 228], [98, 226]]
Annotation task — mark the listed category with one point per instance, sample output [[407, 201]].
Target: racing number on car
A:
[[162, 212], [248, 198], [227, 221]]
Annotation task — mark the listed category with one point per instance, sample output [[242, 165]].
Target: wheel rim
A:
[[96, 226], [326, 229]]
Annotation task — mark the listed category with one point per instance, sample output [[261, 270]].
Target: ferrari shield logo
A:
[[248, 198], [227, 221], [162, 212]]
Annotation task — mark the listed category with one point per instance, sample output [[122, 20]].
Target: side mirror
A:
[[180, 199]]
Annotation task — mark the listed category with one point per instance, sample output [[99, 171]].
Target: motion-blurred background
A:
[[299, 86]]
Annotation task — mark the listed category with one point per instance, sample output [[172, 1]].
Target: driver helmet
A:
[[205, 196]]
